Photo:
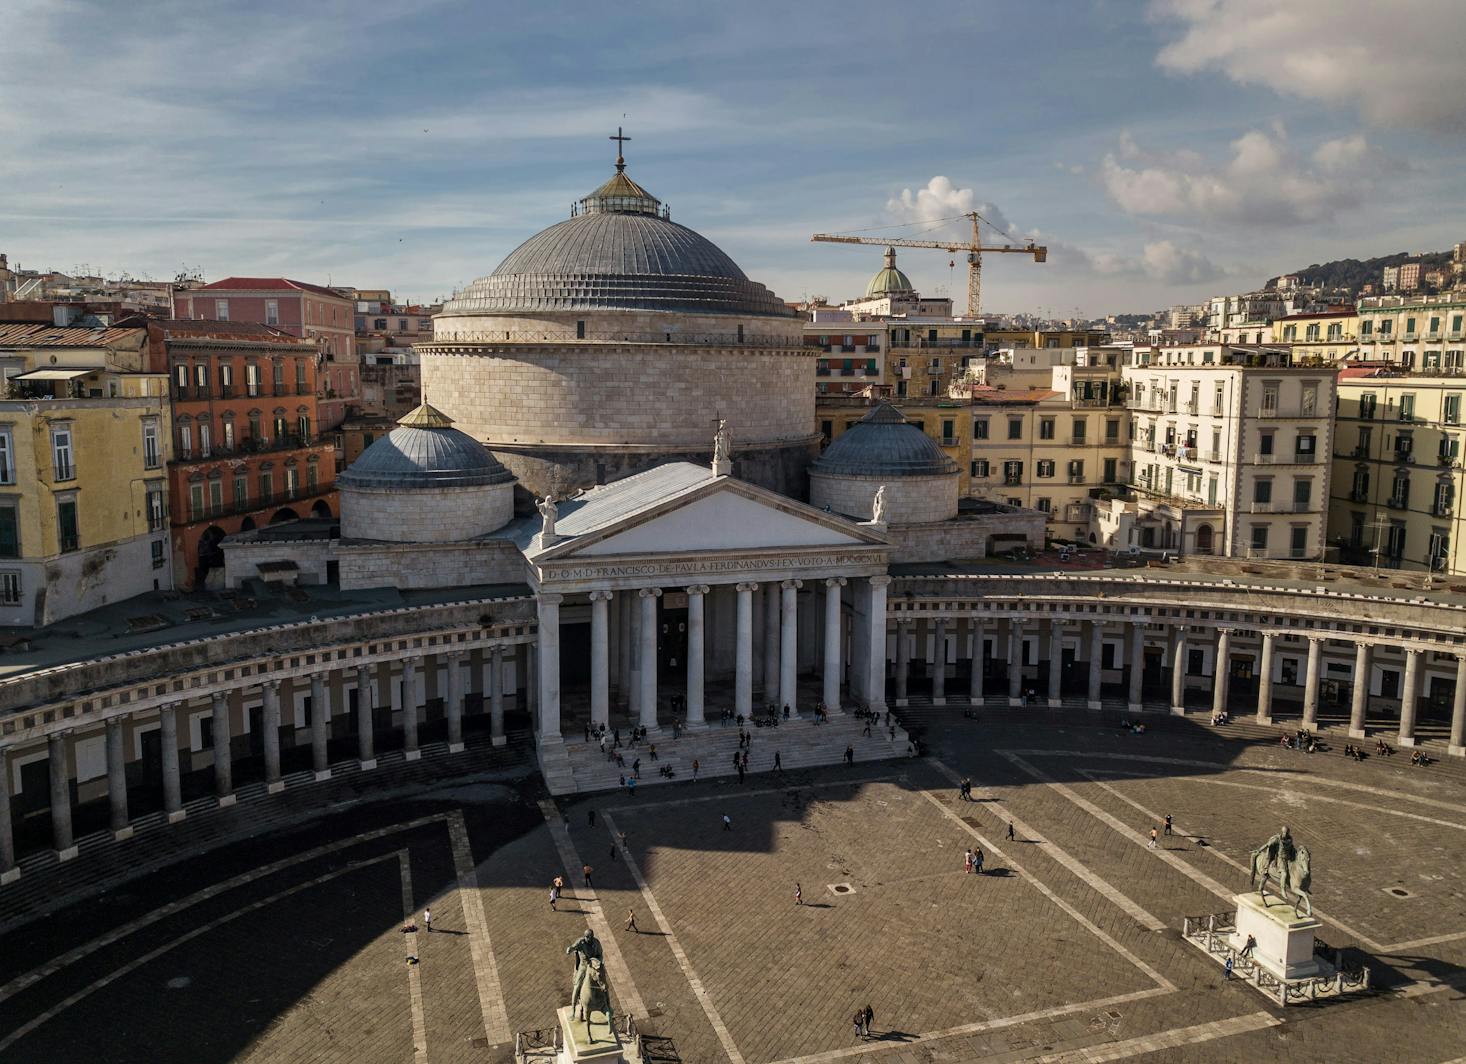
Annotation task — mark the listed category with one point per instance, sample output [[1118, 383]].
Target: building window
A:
[[1407, 407], [151, 457], [292, 482], [7, 458], [303, 426], [1262, 491], [1298, 545], [256, 432], [205, 440], [158, 559], [1400, 491], [201, 377], [277, 372], [1112, 430], [1305, 446], [185, 440], [1045, 506], [1045, 429], [180, 380], [251, 378], [1451, 409], [195, 502], [62, 460], [1015, 428], [272, 312], [1269, 398], [1259, 537], [221, 309], [980, 468], [311, 479], [156, 514], [9, 528], [226, 379], [1044, 468], [1012, 473], [66, 525], [1445, 497], [241, 492], [216, 496], [580, 330], [267, 487], [1081, 430], [228, 427], [1302, 495], [1076, 471], [1111, 470], [300, 387], [980, 428], [1265, 442], [10, 588]]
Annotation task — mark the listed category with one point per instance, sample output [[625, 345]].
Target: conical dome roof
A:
[[884, 444], [424, 451]]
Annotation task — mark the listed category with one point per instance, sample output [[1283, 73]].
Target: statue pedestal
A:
[[577, 1048], [1284, 941]]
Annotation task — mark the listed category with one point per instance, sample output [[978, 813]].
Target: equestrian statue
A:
[[590, 991], [1286, 864]]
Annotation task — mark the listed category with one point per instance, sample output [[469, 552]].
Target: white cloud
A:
[[1264, 182], [1396, 63], [1163, 261]]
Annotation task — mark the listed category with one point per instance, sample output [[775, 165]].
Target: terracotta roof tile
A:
[[267, 284], [36, 334]]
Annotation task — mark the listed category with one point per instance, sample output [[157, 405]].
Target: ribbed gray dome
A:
[[413, 456], [618, 254], [883, 444]]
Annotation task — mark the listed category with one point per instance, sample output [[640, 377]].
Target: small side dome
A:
[[424, 451], [884, 444], [889, 281]]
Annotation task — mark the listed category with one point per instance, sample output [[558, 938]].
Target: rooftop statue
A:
[[878, 506], [549, 512]]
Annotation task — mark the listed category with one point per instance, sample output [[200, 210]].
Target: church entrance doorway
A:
[[672, 636]]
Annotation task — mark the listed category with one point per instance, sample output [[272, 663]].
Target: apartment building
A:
[[84, 435], [1397, 470], [1427, 332], [1328, 336]]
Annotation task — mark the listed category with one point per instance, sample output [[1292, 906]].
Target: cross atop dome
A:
[[620, 143]]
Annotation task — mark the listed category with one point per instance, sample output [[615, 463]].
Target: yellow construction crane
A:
[[974, 249]]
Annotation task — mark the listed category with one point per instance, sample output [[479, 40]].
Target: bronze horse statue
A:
[[591, 991], [1287, 865]]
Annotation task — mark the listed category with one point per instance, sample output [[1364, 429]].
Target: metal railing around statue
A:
[[1211, 933], [545, 1043]]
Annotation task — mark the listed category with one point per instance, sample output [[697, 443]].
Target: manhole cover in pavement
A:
[[842, 888]]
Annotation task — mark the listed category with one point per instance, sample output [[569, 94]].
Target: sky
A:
[[1164, 150]]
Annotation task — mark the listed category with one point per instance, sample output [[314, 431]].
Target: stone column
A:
[[1359, 695], [119, 821], [223, 750], [1457, 746], [876, 650], [1178, 673], [789, 645], [1015, 661], [903, 660], [454, 663], [833, 643], [743, 653], [1096, 659], [172, 783], [649, 596], [496, 696], [1136, 678], [320, 726], [939, 662], [270, 727], [1407, 698], [8, 872], [1265, 681], [411, 701], [1221, 671], [548, 684], [625, 649], [1056, 664], [696, 650], [1310, 682], [365, 738], [600, 657], [771, 642], [974, 679], [60, 779]]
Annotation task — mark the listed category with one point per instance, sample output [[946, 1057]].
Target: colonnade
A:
[[401, 687]]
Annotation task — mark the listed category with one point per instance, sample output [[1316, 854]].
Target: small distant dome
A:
[[889, 281], [884, 444], [424, 451]]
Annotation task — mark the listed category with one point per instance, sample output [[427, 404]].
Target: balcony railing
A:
[[1395, 502]]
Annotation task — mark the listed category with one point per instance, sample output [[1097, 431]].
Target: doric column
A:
[[496, 696], [1096, 658], [548, 686], [320, 726], [365, 737], [223, 750], [1359, 695], [789, 645], [939, 662], [411, 701], [1310, 682], [456, 689], [60, 780], [118, 821], [1265, 681], [1457, 746], [1056, 663], [1136, 678], [8, 872], [600, 657], [649, 596], [625, 649], [270, 727], [172, 783], [903, 659], [771, 642], [696, 649], [1222, 671], [974, 678], [743, 653], [833, 643], [875, 657], [1178, 672], [1407, 698], [1015, 661]]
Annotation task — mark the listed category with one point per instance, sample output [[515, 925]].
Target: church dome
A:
[[424, 452], [619, 251], [883, 444], [890, 280]]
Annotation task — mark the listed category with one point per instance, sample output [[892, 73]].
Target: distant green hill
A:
[[1352, 274]]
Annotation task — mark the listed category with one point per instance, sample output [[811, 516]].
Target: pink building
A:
[[306, 310]]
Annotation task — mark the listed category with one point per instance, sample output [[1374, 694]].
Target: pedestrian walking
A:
[[870, 1015], [1168, 823], [859, 1023], [1227, 969], [867, 727], [631, 921], [554, 897], [427, 920], [694, 769], [740, 773], [1153, 834], [798, 895], [631, 786], [652, 749], [591, 816], [778, 764], [850, 755], [967, 861], [613, 851], [586, 870], [977, 859], [1250, 945], [1010, 831], [727, 822], [636, 768]]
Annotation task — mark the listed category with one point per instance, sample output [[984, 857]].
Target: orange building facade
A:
[[247, 450]]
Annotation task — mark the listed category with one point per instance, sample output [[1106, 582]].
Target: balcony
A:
[[1404, 456], [1443, 509], [1013, 482], [1359, 495], [1214, 456], [1396, 502], [949, 441], [1078, 441], [1076, 478]]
